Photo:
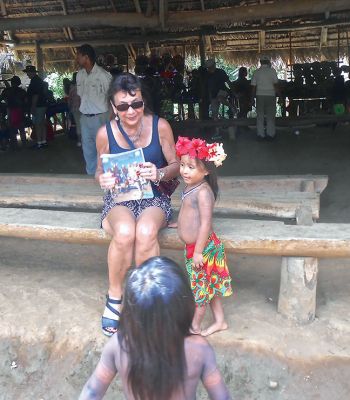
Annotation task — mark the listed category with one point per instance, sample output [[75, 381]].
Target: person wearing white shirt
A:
[[92, 88], [265, 84]]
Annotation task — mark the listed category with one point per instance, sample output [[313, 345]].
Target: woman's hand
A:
[[149, 171], [198, 260], [106, 180]]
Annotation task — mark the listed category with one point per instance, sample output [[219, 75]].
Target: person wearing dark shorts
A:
[[133, 225], [38, 103]]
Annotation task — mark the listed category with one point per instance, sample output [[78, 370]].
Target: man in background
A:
[[38, 103], [92, 87], [264, 88], [218, 86]]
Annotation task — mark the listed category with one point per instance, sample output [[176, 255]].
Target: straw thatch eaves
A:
[[232, 28]]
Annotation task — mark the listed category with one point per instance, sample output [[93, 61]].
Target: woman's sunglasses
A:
[[125, 106]]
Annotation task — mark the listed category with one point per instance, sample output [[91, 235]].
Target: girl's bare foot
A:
[[195, 331], [215, 327]]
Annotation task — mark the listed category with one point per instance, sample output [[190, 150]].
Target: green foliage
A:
[[55, 81]]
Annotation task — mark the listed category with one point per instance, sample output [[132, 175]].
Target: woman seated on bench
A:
[[134, 224]]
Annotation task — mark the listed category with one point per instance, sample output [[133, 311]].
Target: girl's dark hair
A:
[[129, 83], [212, 177], [158, 309]]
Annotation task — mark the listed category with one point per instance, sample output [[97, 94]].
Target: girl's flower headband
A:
[[198, 148]]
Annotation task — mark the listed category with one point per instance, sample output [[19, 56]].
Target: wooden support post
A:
[[324, 37], [297, 297], [202, 49], [262, 40], [163, 12], [338, 46], [39, 59]]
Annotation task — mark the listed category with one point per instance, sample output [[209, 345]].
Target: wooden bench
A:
[[280, 197], [299, 246]]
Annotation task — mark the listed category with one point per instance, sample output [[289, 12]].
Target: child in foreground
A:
[[153, 351], [204, 253]]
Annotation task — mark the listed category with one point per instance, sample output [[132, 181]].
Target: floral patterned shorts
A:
[[137, 206]]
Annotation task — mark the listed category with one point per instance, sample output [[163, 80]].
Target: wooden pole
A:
[[39, 60], [202, 49], [297, 297], [338, 46]]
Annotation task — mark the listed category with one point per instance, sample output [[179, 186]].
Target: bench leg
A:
[[297, 298]]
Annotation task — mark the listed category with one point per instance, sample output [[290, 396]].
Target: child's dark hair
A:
[[212, 177], [157, 315], [129, 83]]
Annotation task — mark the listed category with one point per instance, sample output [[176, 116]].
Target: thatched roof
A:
[[236, 29]]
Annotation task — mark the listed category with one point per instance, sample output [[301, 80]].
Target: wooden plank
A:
[[291, 183], [85, 194], [271, 238], [281, 205]]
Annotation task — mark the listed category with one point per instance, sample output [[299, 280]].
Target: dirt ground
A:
[[51, 294]]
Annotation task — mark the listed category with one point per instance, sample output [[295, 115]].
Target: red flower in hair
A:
[[201, 148], [183, 146]]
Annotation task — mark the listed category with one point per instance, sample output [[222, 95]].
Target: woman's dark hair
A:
[[158, 309], [129, 83], [87, 50], [212, 177]]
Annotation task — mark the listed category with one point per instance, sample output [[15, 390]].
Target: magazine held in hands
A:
[[125, 167]]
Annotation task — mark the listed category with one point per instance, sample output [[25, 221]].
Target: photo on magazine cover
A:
[[125, 167]]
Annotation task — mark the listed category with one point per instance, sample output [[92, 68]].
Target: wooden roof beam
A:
[[283, 28], [120, 40], [278, 9]]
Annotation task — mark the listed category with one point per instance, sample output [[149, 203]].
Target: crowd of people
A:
[[168, 83]]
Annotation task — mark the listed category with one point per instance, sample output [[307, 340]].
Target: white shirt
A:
[[264, 78], [92, 88]]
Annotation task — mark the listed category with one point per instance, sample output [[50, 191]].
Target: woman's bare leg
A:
[[151, 220], [219, 317], [120, 224]]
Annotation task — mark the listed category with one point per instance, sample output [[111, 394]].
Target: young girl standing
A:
[[204, 253]]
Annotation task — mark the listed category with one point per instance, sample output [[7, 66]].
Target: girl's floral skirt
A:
[[211, 279]]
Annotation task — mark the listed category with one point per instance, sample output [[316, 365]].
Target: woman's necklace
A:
[[136, 137], [184, 194]]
